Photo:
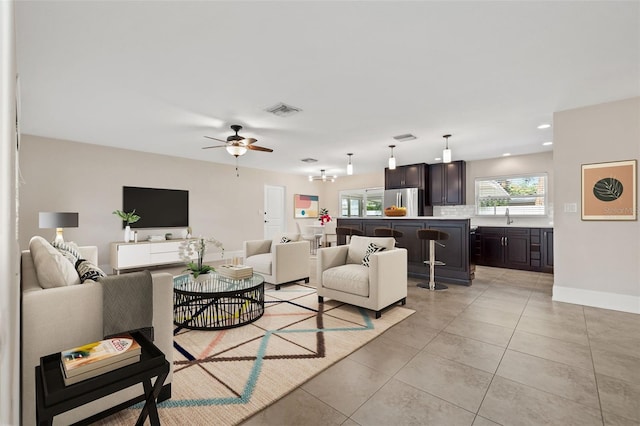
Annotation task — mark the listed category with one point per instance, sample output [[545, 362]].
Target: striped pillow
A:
[[371, 248]]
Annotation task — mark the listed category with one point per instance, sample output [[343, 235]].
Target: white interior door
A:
[[274, 207]]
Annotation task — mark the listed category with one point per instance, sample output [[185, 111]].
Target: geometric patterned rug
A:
[[224, 377]]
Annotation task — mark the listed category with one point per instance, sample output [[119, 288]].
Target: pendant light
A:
[[323, 177], [392, 159], [349, 165], [446, 152]]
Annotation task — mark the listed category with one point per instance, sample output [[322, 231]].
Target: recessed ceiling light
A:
[[437, 159], [506, 154], [544, 126], [547, 143]]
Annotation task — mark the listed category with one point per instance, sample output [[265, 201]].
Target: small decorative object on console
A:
[[129, 218]]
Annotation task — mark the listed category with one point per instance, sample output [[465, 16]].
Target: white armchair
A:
[[342, 275], [279, 263]]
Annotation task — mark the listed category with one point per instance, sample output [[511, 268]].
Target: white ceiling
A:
[[158, 76]]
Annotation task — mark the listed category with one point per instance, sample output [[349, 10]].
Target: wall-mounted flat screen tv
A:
[[157, 208]]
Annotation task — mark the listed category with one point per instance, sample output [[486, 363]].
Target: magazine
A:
[[95, 355], [97, 371]]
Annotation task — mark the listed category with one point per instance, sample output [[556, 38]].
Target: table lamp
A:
[[58, 220]]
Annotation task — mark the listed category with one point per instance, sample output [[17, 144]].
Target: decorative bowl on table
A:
[[395, 211]]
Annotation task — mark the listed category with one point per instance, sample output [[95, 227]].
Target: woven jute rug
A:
[[224, 377]]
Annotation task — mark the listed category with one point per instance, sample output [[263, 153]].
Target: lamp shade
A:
[[349, 165], [58, 220], [392, 159], [446, 152], [236, 150]]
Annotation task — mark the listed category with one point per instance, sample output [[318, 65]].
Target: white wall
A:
[[9, 270], [597, 263], [88, 179]]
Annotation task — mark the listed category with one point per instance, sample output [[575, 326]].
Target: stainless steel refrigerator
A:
[[411, 198]]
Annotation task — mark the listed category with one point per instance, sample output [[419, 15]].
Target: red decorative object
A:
[[324, 216]]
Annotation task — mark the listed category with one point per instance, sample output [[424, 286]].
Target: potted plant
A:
[[196, 248], [129, 218], [324, 216]]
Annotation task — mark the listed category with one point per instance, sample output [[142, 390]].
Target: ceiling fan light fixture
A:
[[236, 150], [446, 152], [349, 165], [392, 159]]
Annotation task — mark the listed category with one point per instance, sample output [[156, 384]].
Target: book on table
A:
[[235, 271], [99, 357]]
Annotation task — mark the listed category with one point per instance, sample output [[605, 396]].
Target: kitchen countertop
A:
[[518, 222]]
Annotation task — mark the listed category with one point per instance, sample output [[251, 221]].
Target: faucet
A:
[[509, 220]]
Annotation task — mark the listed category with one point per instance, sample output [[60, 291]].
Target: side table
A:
[[53, 397]]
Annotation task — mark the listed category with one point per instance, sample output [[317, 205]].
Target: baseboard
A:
[[597, 299]]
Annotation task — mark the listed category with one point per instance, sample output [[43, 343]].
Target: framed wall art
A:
[[305, 206], [609, 191]]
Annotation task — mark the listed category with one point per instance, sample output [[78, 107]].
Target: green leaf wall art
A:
[[608, 189]]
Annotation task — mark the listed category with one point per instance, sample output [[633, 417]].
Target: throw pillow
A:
[[371, 248], [52, 268], [285, 240], [88, 271], [68, 250]]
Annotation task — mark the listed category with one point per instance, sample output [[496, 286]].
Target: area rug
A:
[[224, 377]]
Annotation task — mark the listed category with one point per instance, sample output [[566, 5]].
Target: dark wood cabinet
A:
[[447, 183], [410, 176], [504, 247], [547, 249], [459, 269], [528, 249]]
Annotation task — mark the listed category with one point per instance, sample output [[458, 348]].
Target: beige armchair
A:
[[342, 275], [279, 263]]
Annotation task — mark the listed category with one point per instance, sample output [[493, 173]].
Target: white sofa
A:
[[58, 318], [342, 276], [279, 263]]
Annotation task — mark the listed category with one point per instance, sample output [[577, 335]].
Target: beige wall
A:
[[597, 263], [68, 176]]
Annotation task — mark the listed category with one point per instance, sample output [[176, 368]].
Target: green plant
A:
[[130, 217], [197, 248]]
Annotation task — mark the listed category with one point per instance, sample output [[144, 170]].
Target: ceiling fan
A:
[[237, 145]]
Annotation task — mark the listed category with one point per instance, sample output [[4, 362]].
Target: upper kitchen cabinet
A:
[[448, 183], [410, 176]]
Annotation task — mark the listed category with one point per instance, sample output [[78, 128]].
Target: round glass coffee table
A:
[[217, 302]]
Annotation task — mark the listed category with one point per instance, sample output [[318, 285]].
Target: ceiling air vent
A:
[[283, 110], [309, 160], [405, 137]]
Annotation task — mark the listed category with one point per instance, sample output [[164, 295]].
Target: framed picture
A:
[[609, 191], [305, 206]]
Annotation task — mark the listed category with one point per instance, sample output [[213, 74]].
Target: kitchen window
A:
[[361, 202], [524, 195]]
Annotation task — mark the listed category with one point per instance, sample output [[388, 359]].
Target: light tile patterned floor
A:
[[498, 352]]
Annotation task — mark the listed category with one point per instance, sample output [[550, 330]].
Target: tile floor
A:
[[498, 352]]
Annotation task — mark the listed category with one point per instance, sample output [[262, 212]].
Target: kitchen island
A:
[[459, 268]]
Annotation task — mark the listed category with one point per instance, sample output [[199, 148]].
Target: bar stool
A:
[[348, 232], [388, 232], [433, 236]]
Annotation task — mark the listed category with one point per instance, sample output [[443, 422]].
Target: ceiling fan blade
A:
[[249, 141], [215, 139], [259, 148], [214, 146]]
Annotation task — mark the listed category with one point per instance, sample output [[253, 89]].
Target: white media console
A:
[[143, 254]]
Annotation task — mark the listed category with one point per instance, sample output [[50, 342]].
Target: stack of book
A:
[[236, 272], [97, 358]]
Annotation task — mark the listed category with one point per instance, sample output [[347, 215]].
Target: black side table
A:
[[53, 397]]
